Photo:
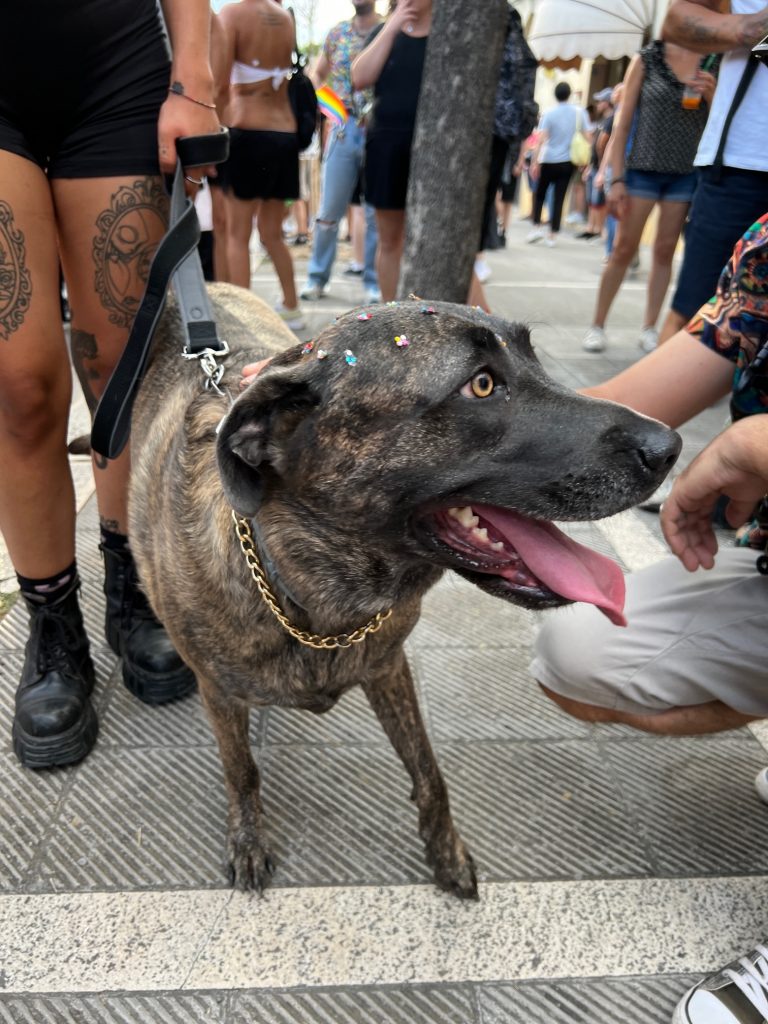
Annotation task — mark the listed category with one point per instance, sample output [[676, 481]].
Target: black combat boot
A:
[[55, 723], [152, 670]]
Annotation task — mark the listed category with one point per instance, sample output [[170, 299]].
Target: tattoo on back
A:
[[128, 234], [15, 280]]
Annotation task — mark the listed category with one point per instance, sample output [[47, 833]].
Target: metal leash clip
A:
[[208, 359]]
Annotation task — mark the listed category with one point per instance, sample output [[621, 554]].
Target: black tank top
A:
[[396, 93], [665, 136]]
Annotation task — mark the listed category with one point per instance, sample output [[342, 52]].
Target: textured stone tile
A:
[[695, 803], [541, 810], [139, 818], [433, 1005], [634, 1001], [168, 1008]]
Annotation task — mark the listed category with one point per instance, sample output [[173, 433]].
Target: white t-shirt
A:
[[745, 146]]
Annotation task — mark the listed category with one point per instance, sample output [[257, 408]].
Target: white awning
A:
[[566, 29]]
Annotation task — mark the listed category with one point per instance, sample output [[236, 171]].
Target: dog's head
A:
[[418, 432]]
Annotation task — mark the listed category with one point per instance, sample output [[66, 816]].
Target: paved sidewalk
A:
[[614, 867]]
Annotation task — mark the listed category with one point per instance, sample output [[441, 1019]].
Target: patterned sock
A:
[[46, 591]]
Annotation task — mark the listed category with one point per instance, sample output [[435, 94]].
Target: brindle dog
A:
[[409, 440]]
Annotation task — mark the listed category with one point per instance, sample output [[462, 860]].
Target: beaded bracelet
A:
[[178, 90]]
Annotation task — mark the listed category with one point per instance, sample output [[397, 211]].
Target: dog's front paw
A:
[[250, 865], [454, 868]]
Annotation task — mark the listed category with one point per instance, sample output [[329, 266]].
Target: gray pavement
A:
[[614, 867]]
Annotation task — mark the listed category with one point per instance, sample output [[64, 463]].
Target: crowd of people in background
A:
[[680, 136]]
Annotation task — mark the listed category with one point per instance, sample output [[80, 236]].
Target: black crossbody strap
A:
[[746, 77], [175, 257]]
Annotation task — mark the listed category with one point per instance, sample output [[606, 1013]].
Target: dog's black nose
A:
[[657, 447]]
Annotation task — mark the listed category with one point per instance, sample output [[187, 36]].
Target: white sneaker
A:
[[534, 236], [312, 292], [482, 270], [550, 241], [595, 340], [292, 318], [737, 994], [761, 784], [649, 339], [372, 296]]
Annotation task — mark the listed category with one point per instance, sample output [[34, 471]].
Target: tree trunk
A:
[[452, 147]]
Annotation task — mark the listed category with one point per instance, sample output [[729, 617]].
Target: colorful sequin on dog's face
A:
[[429, 310], [482, 385], [402, 341], [350, 358], [306, 349], [364, 316], [322, 354]]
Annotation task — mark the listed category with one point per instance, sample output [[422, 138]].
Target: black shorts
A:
[[263, 165], [81, 86], [387, 166]]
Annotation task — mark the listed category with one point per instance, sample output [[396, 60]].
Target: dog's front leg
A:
[[249, 863], [393, 698]]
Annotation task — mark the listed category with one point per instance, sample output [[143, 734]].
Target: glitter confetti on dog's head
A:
[[364, 316], [306, 349], [350, 358], [322, 354], [402, 341]]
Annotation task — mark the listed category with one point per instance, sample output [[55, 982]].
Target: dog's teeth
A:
[[497, 545], [481, 535], [465, 516]]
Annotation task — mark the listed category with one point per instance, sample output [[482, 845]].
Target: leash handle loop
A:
[[175, 258]]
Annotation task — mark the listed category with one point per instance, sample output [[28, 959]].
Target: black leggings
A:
[[558, 175]]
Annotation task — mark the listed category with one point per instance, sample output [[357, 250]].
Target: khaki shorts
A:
[[692, 638]]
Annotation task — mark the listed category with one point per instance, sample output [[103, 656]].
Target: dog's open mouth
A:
[[528, 559]]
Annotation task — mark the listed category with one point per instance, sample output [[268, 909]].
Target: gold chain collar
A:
[[320, 643]]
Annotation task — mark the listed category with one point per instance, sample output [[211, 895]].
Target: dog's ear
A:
[[245, 433]]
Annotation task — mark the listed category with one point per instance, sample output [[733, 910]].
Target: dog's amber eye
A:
[[482, 384]]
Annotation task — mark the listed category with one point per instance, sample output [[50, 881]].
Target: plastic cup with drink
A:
[[691, 96]]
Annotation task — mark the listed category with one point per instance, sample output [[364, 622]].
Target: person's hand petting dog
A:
[[735, 464]]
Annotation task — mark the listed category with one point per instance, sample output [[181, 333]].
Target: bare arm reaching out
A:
[[699, 25]]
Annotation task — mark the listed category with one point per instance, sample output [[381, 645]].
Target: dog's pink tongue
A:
[[567, 568]]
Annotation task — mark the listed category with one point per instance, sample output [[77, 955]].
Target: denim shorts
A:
[[662, 188], [595, 195]]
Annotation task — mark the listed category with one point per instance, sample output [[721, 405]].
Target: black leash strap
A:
[[746, 77], [176, 257]]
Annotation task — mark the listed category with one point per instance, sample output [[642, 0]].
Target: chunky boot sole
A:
[[150, 687], [68, 747]]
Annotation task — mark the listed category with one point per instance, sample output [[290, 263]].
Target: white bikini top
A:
[[247, 74]]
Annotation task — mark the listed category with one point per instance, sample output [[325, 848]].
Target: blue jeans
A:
[[721, 212], [343, 162]]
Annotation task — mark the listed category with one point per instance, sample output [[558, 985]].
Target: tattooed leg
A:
[[109, 231], [85, 354], [36, 494]]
